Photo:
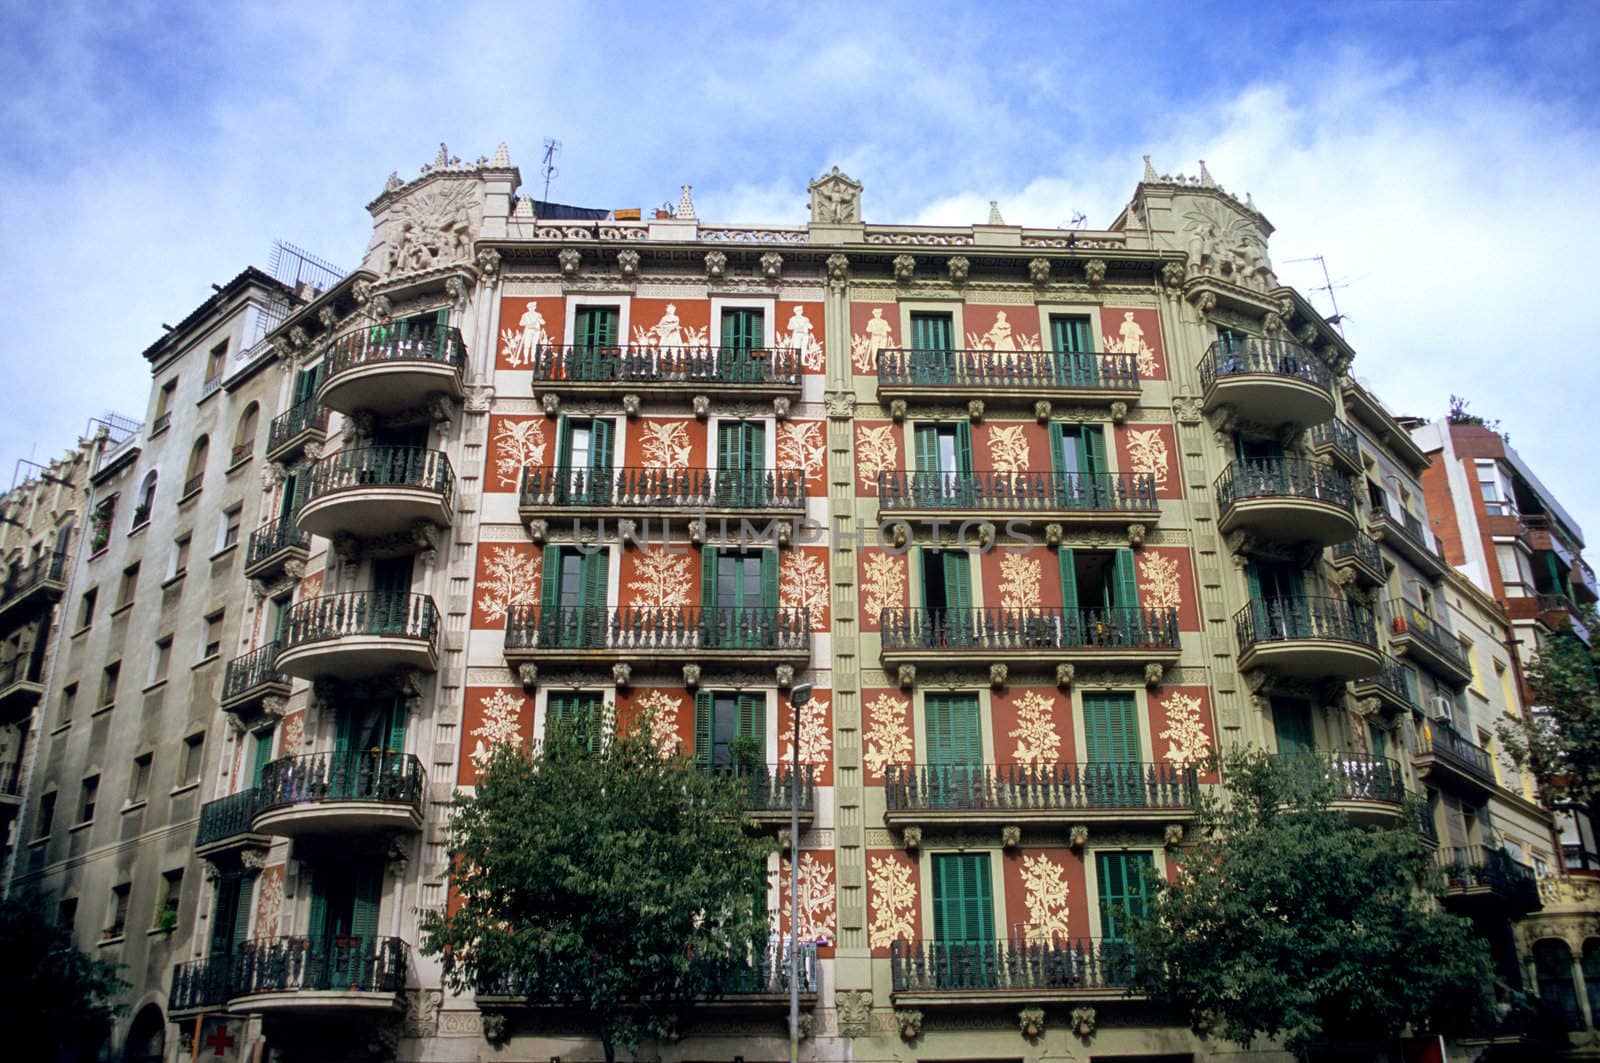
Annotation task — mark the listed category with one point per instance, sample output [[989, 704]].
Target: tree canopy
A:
[[1288, 920], [615, 878], [1562, 743], [54, 999]]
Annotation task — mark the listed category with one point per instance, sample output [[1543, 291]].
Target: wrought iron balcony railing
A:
[[1018, 492], [1479, 866], [1362, 550], [583, 364], [665, 488], [1348, 776], [46, 568], [1410, 526], [400, 342], [1074, 963], [1288, 619], [334, 964], [766, 974], [1025, 630], [226, 817], [1287, 478], [1038, 787], [269, 539], [1408, 618], [1339, 436], [1438, 739], [1391, 677], [909, 367], [532, 627], [200, 984], [770, 787], [370, 775], [306, 416], [252, 670], [1262, 357], [382, 467], [362, 613]]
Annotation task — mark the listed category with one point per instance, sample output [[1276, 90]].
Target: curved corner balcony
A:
[[1362, 557], [1287, 500], [274, 545], [1267, 382], [339, 793], [1368, 788], [326, 974], [1311, 638], [999, 377], [581, 633], [1028, 636], [1036, 793], [251, 679], [649, 495], [40, 582], [389, 368], [360, 634], [695, 370], [290, 431], [1069, 497], [378, 491]]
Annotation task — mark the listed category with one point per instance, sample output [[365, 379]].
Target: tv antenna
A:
[[1079, 219], [1336, 319], [548, 166]]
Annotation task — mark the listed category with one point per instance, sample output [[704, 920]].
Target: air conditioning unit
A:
[[1443, 709]]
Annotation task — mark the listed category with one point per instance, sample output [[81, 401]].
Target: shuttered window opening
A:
[[721, 720], [572, 704], [1124, 890], [572, 597], [932, 347], [583, 457]]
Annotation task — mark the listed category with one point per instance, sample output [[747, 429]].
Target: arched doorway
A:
[[147, 1037]]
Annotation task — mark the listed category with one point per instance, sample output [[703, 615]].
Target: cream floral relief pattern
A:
[[663, 580], [894, 902], [800, 446], [1147, 452], [510, 578], [1185, 734], [1019, 581], [883, 584], [887, 738], [803, 584], [877, 451], [816, 898], [502, 723], [1158, 582], [1008, 448], [663, 710], [815, 739], [1046, 893], [664, 445], [1038, 742], [269, 901], [517, 444]]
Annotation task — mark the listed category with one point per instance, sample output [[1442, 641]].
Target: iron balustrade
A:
[[1391, 676], [1480, 866], [1552, 603], [11, 778], [533, 627], [765, 973], [331, 964], [1410, 526], [1408, 618], [665, 488], [1025, 630], [1339, 436], [1441, 741], [382, 467], [393, 614], [1362, 550], [1347, 776], [1249, 478], [192, 486], [1288, 619], [200, 984], [306, 416], [227, 817], [381, 776], [1038, 787], [914, 367], [46, 568], [160, 424], [399, 342], [281, 534], [643, 364], [954, 966], [1018, 492], [257, 668], [1422, 820], [1253, 356], [769, 787]]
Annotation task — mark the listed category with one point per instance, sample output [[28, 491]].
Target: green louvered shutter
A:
[[317, 923], [345, 738], [1092, 440], [1070, 339], [549, 622], [592, 598], [600, 462], [563, 458], [752, 717], [368, 896], [963, 919], [954, 748], [397, 728], [767, 626], [958, 595], [1071, 611], [702, 728], [1291, 724], [1125, 582], [1413, 686], [263, 754], [241, 913], [1111, 742], [1123, 885], [224, 913], [931, 359]]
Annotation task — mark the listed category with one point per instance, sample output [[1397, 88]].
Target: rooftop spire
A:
[[994, 213], [1150, 171], [685, 203]]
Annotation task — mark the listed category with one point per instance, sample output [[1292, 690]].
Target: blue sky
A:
[[1443, 157]]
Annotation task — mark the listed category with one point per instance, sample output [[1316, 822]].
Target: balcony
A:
[[690, 633], [662, 494], [289, 974], [390, 368], [1036, 793], [678, 371], [340, 794], [251, 679], [765, 981], [1554, 611], [1479, 879], [1444, 756], [377, 491], [1009, 972], [1038, 636], [1311, 638], [1539, 532], [27, 587], [360, 634], [1388, 685], [1404, 534], [1337, 442], [1007, 377], [1362, 557], [1369, 789], [1288, 500], [1415, 634], [768, 791], [199, 985], [1078, 498], [1267, 382], [10, 785], [225, 825], [21, 687], [274, 545], [293, 429]]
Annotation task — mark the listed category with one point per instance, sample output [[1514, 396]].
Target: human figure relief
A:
[[864, 348], [533, 334], [1132, 334], [799, 327], [999, 338], [667, 332]]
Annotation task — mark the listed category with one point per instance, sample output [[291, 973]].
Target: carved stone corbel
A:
[[1053, 534], [628, 531], [1078, 835], [691, 676], [904, 267], [1153, 673], [697, 531], [1065, 673], [628, 262], [780, 408], [1041, 411], [1119, 413], [273, 706], [1173, 836], [959, 266], [488, 265], [975, 410], [911, 838], [716, 265], [347, 548], [909, 1020], [630, 406], [1083, 1022], [998, 673], [899, 533], [785, 532], [621, 674], [457, 288], [897, 410], [838, 265], [1010, 837], [1136, 535], [528, 676], [906, 676], [441, 411], [550, 403], [252, 858], [783, 674], [1094, 271], [1039, 270], [569, 259], [772, 265], [702, 406], [538, 530], [1187, 409], [1030, 1021], [1172, 274], [1204, 303]]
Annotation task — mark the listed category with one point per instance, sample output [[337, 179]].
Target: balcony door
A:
[[1277, 600], [944, 465], [230, 913], [588, 705], [963, 921], [583, 461], [1100, 598], [741, 463], [375, 727], [1291, 725], [593, 354], [572, 597], [1078, 454], [739, 598], [306, 382], [260, 756], [1123, 880], [343, 928], [946, 598], [730, 730], [742, 357], [391, 595], [953, 732], [1113, 775], [1072, 345], [933, 359]]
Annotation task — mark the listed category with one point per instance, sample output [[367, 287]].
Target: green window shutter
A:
[[741, 330], [1070, 334], [963, 447], [927, 446], [263, 754], [953, 730], [957, 581], [368, 897], [1093, 441], [769, 580], [241, 914], [1252, 575], [702, 727], [753, 717], [563, 453], [755, 447], [963, 910], [1111, 729], [1291, 723], [1413, 686], [1058, 449], [593, 594], [931, 332], [728, 439], [708, 577], [550, 583], [1125, 581], [1069, 581], [1122, 882], [223, 914], [597, 326], [397, 726], [344, 736]]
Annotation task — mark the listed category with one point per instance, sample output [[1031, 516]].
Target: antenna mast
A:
[[548, 167], [1337, 320]]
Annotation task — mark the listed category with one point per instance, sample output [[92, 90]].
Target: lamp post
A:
[[799, 696]]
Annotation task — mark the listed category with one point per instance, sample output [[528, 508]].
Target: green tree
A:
[[54, 1000], [616, 879], [1290, 921], [1561, 745]]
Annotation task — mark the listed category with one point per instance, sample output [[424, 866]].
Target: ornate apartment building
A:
[[1043, 516]]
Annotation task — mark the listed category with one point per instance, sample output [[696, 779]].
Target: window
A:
[[128, 587], [739, 597], [164, 398], [211, 638], [944, 464], [117, 923], [86, 607], [1472, 659], [933, 359], [216, 362], [1552, 967], [180, 556], [195, 477], [108, 684], [147, 499], [1078, 454], [139, 781], [573, 605], [954, 736], [730, 730], [596, 327], [87, 795], [572, 704], [161, 660], [166, 911], [1498, 498], [583, 471], [1100, 598], [228, 530], [1073, 361], [244, 438], [1291, 725], [947, 618], [67, 913], [963, 916], [1486, 743], [1123, 882], [193, 752], [69, 702], [47, 816]]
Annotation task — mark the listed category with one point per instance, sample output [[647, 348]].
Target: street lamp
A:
[[799, 696]]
